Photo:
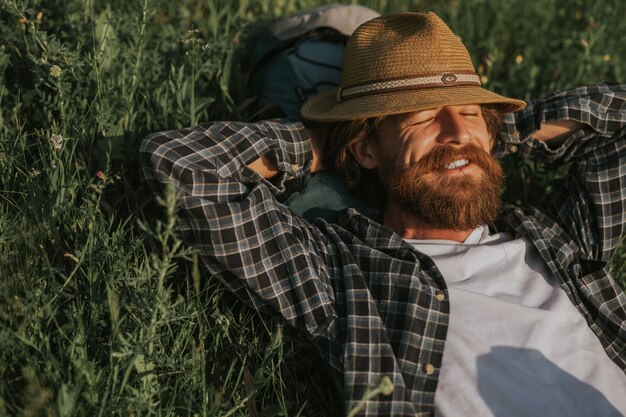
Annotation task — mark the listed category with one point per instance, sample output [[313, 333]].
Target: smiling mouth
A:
[[459, 163]]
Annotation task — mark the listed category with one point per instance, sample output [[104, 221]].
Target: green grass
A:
[[103, 311]]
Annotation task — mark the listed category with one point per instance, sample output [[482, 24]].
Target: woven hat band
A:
[[442, 79]]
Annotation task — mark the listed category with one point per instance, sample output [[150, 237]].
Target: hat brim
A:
[[324, 107]]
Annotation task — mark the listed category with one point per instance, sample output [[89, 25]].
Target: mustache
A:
[[441, 156]]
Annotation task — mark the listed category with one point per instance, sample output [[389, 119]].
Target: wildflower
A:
[[606, 57], [34, 172], [23, 24], [484, 79], [57, 141], [519, 58], [584, 42], [55, 71], [100, 175], [39, 16], [194, 41]]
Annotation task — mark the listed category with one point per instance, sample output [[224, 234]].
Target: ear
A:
[[364, 151]]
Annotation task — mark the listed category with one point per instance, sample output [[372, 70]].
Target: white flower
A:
[[55, 71], [57, 141]]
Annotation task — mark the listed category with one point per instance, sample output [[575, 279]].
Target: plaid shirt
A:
[[370, 302]]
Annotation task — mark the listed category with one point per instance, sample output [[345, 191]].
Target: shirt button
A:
[[513, 149], [440, 295], [428, 368]]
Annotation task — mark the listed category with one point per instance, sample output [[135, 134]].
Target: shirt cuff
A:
[[291, 147]]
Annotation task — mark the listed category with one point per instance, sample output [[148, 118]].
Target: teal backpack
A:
[[301, 56], [293, 59]]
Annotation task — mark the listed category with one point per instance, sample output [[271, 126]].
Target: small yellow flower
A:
[[55, 71], [484, 79], [519, 58], [606, 57], [39, 15]]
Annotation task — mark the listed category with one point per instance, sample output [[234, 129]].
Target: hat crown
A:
[[399, 63], [403, 45]]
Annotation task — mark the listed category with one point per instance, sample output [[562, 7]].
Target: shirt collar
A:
[[366, 224]]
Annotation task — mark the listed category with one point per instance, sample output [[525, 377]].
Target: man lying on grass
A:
[[471, 307]]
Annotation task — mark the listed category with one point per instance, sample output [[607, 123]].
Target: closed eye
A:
[[420, 118], [422, 122]]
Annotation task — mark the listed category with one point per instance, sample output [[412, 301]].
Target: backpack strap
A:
[[325, 33]]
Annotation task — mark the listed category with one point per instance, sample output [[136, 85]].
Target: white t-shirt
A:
[[516, 345]]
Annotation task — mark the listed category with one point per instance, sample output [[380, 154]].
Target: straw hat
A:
[[400, 63]]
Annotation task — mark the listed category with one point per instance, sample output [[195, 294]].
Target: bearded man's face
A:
[[436, 164]]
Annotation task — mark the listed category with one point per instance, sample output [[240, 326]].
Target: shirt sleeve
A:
[[590, 202], [263, 253]]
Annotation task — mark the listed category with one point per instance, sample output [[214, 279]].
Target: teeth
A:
[[457, 164]]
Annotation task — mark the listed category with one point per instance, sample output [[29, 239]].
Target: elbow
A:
[[155, 157]]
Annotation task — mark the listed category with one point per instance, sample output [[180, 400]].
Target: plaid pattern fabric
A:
[[372, 304]]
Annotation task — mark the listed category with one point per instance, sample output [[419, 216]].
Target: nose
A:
[[454, 129]]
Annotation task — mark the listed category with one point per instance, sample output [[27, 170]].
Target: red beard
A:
[[454, 202]]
